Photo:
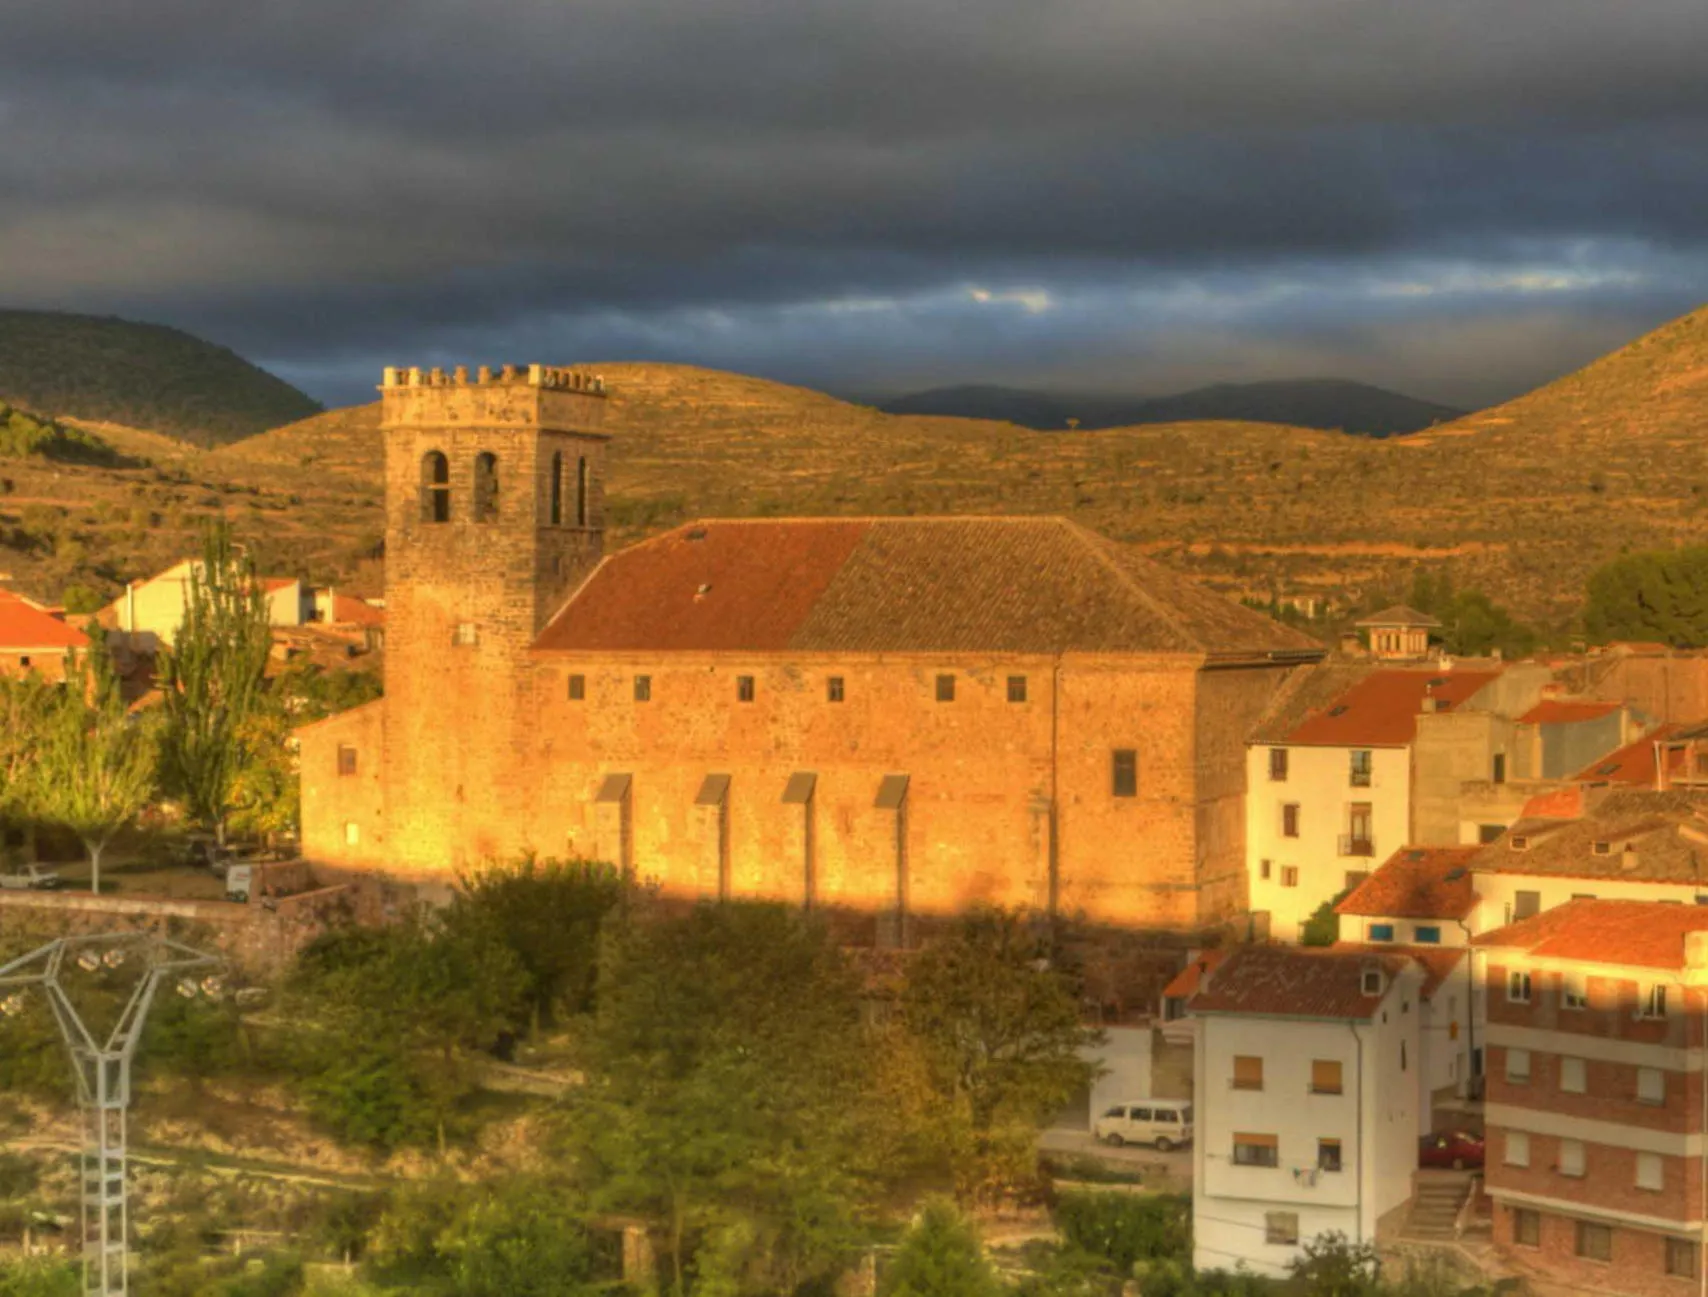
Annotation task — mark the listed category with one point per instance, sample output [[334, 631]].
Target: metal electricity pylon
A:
[[102, 1065]]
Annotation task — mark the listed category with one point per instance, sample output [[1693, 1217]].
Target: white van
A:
[[1165, 1123]]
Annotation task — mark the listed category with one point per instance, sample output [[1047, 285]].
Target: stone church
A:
[[890, 717]]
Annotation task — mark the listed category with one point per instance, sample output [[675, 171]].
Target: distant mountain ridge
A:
[[106, 370], [1324, 403]]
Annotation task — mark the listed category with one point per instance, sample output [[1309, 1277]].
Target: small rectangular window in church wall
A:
[[833, 691], [577, 688], [346, 759], [744, 689], [945, 688], [1124, 772], [643, 689], [1016, 689]]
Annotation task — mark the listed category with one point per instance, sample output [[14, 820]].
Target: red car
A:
[[1457, 1151]]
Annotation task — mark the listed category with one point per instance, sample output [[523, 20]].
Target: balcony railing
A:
[[1357, 844], [1360, 778]]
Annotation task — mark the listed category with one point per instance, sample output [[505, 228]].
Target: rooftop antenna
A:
[[102, 1067]]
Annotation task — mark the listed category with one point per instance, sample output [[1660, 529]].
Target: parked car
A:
[[32, 878], [1164, 1123], [1455, 1149]]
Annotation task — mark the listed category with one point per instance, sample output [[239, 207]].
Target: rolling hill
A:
[[1524, 499], [140, 375], [1327, 403]]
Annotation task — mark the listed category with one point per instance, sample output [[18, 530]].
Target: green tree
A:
[[213, 679], [390, 1018], [549, 913], [27, 705], [997, 1023], [95, 770], [1652, 595], [941, 1256], [725, 1092], [32, 1277]]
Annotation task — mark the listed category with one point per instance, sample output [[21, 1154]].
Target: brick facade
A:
[[1594, 1098], [479, 750]]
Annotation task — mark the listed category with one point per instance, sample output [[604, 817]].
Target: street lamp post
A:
[[102, 1066]]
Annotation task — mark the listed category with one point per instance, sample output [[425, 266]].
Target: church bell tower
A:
[[494, 513]]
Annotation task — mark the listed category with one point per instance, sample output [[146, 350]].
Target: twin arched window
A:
[[436, 488]]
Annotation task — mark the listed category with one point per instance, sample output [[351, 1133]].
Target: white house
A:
[[1421, 900], [1329, 797], [1306, 1101], [149, 612]]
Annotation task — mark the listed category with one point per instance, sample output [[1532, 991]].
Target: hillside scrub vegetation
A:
[[23, 434], [149, 376]]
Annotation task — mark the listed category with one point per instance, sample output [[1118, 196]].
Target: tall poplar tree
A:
[[213, 679]]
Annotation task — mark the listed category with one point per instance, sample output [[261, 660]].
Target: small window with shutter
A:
[[1325, 1076], [1248, 1072]]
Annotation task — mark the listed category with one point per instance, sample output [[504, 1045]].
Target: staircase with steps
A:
[[1437, 1198]]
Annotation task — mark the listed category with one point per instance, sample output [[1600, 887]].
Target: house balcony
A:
[[1357, 844]]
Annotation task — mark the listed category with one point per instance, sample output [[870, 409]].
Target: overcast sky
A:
[[1457, 198]]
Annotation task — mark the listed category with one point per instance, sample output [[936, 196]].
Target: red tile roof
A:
[[1186, 981], [1642, 934], [24, 625], [274, 583], [1632, 764], [1381, 710], [1564, 711], [1555, 804], [1399, 615], [1295, 982], [1437, 962], [347, 611], [1019, 585], [1413, 883]]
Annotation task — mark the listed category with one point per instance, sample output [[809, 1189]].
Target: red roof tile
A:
[[23, 626], [1413, 883], [1381, 710], [1399, 615], [1555, 804], [273, 583], [1015, 584], [1632, 764], [347, 611], [1642, 934], [1186, 981], [1294, 982], [1437, 962], [1564, 711]]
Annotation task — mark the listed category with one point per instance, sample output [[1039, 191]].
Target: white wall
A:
[[1318, 779], [1125, 1060], [1375, 1120], [1497, 893]]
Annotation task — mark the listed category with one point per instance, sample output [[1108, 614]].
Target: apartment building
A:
[[1607, 843], [1596, 1102], [1329, 795], [1305, 1095]]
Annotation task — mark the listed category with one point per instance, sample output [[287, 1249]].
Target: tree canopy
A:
[[1653, 595]]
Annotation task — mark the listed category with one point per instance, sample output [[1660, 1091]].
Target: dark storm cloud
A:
[[1141, 192]]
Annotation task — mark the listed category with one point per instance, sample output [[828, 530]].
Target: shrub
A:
[[1125, 1229]]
